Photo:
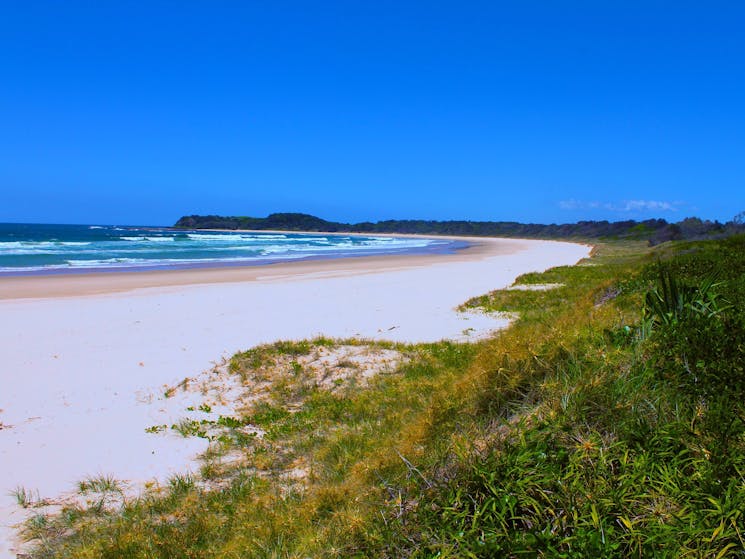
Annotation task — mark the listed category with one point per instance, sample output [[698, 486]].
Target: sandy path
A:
[[82, 374]]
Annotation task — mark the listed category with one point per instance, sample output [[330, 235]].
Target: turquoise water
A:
[[44, 248]]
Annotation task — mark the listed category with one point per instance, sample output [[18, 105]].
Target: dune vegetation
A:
[[607, 421]]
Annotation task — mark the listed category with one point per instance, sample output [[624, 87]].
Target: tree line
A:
[[653, 230]]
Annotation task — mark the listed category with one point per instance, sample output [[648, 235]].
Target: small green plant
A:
[[191, 428], [181, 484], [104, 490], [672, 301], [23, 497], [156, 428], [230, 422], [99, 484]]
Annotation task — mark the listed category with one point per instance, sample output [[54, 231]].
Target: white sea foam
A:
[[266, 237], [212, 238], [23, 269], [20, 248], [137, 248], [143, 262], [149, 239], [225, 237], [310, 250], [393, 241], [40, 244], [105, 262]]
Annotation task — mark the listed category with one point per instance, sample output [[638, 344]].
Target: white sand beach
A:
[[85, 359]]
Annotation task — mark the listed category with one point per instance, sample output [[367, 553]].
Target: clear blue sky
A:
[[140, 112]]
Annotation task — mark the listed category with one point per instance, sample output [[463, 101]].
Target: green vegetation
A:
[[608, 421], [655, 231], [23, 497]]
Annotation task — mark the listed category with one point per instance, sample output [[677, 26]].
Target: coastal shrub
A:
[[699, 349], [554, 493]]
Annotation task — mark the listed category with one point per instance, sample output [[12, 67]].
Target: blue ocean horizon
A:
[[34, 249]]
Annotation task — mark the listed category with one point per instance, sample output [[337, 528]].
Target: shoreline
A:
[[76, 283], [87, 358], [433, 246]]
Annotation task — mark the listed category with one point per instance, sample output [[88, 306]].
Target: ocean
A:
[[31, 249]]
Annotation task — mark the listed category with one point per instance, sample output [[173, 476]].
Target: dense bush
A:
[[699, 348]]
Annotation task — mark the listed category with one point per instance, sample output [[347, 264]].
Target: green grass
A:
[[585, 448], [24, 498], [607, 421]]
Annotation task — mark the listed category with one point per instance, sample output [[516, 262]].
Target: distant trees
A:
[[654, 230]]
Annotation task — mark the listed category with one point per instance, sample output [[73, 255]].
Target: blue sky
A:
[[140, 112]]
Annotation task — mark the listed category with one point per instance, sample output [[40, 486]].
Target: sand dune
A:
[[85, 359]]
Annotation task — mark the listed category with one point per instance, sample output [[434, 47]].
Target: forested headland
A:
[[655, 231]]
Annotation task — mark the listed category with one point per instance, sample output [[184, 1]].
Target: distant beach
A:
[[87, 357]]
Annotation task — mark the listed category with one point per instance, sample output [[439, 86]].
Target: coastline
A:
[[33, 286], [87, 357], [197, 252]]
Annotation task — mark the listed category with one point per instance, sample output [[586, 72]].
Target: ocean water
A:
[[44, 249]]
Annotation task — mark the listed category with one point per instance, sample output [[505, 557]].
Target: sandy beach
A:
[[86, 357]]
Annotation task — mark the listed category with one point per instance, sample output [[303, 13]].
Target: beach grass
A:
[[600, 424]]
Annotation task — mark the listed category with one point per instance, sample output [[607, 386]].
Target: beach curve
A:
[[86, 357]]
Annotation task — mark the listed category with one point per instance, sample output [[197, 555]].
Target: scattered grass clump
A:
[[24, 498]]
